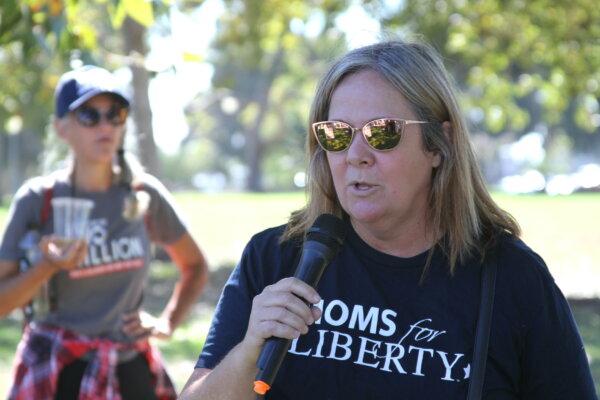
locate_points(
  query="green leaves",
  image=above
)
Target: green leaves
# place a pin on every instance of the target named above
(504, 52)
(139, 10)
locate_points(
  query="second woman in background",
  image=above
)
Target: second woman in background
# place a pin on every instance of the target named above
(93, 338)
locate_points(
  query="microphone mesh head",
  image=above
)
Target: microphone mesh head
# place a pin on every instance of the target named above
(327, 228)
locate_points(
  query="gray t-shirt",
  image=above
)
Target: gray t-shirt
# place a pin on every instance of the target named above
(92, 298)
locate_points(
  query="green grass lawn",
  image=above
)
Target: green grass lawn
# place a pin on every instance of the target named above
(563, 230)
(223, 223)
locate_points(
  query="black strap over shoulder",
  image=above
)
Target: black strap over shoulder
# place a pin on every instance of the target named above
(484, 320)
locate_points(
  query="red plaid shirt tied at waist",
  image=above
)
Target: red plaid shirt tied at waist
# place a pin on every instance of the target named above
(44, 351)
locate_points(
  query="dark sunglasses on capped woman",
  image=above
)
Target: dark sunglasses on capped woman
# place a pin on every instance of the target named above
(381, 134)
(89, 117)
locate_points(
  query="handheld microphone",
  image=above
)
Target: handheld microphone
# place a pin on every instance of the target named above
(323, 240)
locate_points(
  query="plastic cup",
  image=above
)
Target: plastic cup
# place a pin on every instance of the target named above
(71, 216)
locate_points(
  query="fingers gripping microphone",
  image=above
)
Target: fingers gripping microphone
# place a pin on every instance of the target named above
(323, 240)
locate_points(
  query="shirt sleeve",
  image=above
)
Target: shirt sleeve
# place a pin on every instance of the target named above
(22, 214)
(264, 261)
(554, 363)
(164, 223)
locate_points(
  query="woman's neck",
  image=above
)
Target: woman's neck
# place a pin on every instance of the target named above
(92, 178)
(406, 243)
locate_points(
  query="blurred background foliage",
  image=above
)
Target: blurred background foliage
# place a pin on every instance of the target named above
(522, 66)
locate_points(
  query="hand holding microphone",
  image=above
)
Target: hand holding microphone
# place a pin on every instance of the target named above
(281, 312)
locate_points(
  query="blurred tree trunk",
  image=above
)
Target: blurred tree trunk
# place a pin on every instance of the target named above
(134, 35)
(14, 161)
(255, 145)
(265, 68)
(3, 164)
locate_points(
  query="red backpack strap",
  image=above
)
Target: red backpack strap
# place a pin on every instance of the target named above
(137, 185)
(46, 204)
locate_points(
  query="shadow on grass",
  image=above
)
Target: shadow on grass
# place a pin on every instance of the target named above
(162, 280)
(587, 315)
(189, 338)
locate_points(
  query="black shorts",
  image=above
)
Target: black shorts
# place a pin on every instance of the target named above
(134, 380)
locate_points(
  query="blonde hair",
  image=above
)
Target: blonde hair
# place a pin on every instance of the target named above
(461, 212)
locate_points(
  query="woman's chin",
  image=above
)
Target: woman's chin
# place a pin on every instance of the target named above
(366, 215)
(101, 157)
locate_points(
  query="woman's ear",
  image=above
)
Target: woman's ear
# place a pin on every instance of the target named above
(59, 127)
(436, 160)
(447, 128)
(437, 157)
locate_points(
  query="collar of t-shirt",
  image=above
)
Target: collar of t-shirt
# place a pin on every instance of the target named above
(378, 258)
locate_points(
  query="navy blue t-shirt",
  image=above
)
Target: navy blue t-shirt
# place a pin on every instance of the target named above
(384, 334)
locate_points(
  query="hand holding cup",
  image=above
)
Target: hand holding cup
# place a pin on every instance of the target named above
(64, 254)
(67, 247)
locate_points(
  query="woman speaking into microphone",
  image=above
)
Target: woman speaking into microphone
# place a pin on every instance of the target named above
(432, 295)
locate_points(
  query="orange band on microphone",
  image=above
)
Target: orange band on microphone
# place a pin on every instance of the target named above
(261, 387)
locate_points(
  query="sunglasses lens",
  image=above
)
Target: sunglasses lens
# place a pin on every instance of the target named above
(117, 115)
(383, 134)
(87, 116)
(333, 136)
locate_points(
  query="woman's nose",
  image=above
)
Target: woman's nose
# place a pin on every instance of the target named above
(359, 152)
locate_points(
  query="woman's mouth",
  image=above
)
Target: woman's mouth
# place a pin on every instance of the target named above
(361, 187)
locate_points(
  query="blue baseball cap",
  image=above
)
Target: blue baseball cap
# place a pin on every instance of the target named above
(79, 85)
